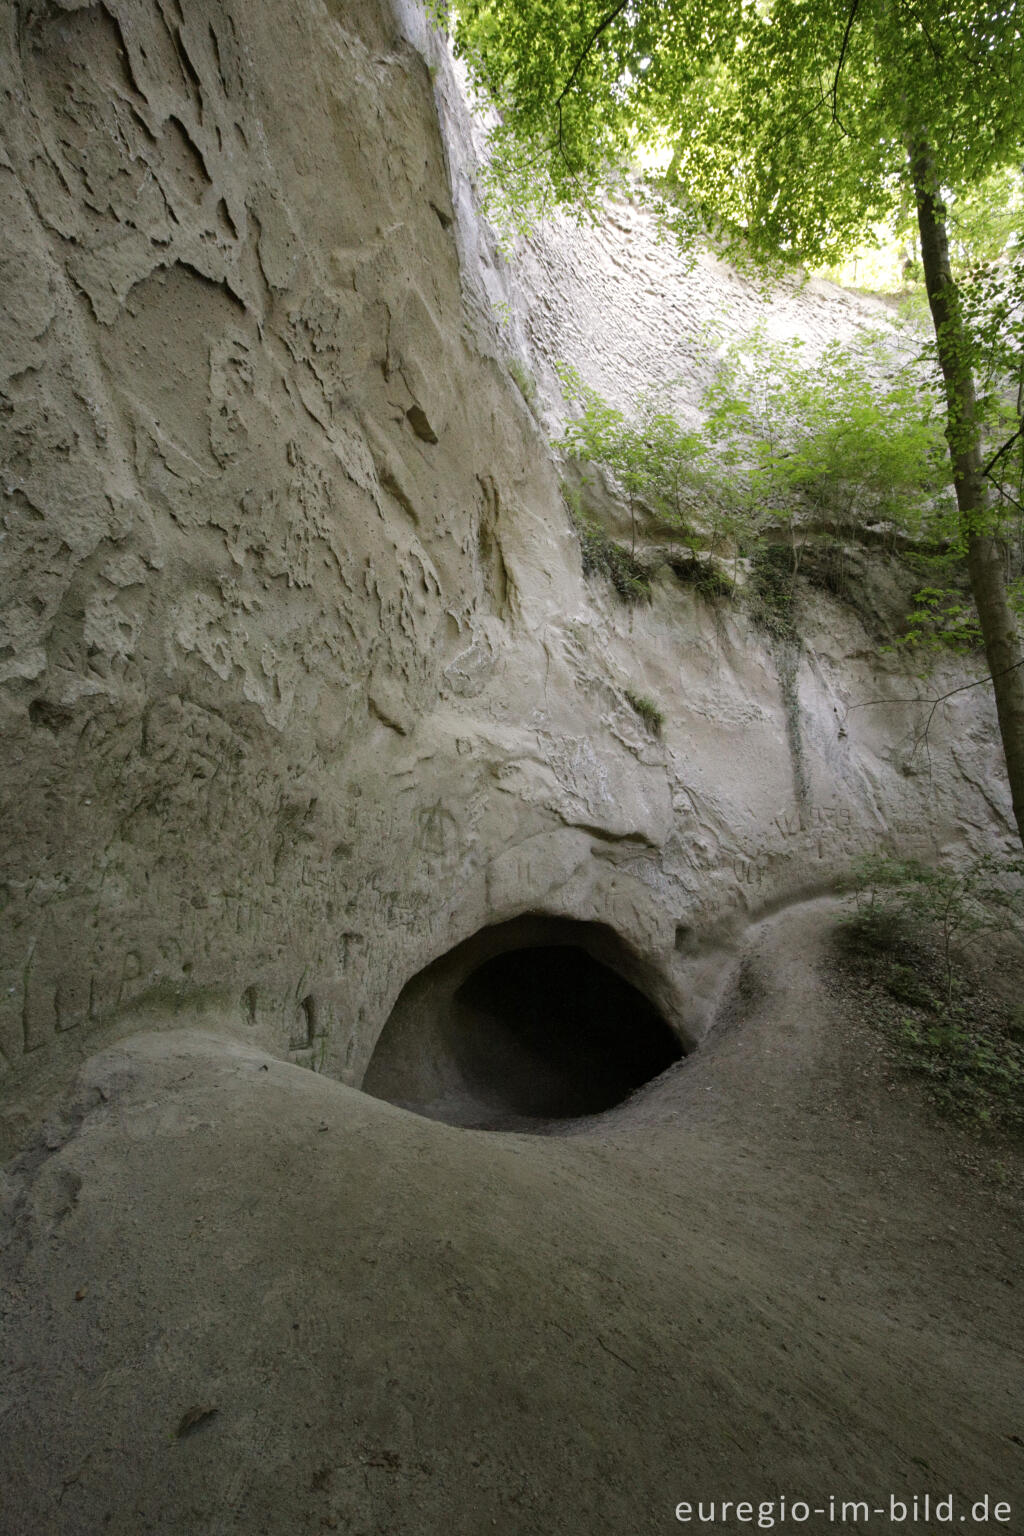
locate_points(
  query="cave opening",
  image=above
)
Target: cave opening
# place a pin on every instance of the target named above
(508, 1034)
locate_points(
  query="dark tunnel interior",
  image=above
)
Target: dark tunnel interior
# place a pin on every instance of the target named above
(532, 1034)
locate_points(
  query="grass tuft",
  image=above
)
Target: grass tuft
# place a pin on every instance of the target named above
(648, 711)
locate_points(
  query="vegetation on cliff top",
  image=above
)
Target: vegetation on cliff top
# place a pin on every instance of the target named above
(787, 449)
(793, 129)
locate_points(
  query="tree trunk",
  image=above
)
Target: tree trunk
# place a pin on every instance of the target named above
(984, 555)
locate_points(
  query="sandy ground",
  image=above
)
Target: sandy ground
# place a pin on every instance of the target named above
(239, 1297)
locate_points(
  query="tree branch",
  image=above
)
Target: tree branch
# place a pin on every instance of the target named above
(1004, 493)
(936, 51)
(963, 688)
(839, 67)
(994, 460)
(562, 149)
(602, 26)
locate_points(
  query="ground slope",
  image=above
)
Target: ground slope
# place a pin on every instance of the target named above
(241, 1297)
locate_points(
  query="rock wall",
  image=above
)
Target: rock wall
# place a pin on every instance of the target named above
(301, 683)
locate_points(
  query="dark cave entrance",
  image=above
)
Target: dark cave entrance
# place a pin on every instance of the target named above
(523, 1024)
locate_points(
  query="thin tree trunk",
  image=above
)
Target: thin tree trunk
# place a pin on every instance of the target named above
(984, 554)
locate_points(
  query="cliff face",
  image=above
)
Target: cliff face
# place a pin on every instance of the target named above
(302, 684)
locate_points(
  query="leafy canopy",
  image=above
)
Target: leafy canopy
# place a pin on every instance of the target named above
(788, 120)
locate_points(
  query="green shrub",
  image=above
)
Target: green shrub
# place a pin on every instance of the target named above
(942, 619)
(904, 943)
(849, 436)
(869, 931)
(961, 904)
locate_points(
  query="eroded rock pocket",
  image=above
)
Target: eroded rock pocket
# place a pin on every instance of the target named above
(521, 1026)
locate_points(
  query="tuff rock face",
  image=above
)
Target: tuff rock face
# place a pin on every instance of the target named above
(302, 683)
(318, 752)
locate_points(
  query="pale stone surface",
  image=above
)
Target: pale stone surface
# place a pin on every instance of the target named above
(301, 681)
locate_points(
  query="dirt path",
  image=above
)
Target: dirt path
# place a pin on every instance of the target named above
(243, 1298)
